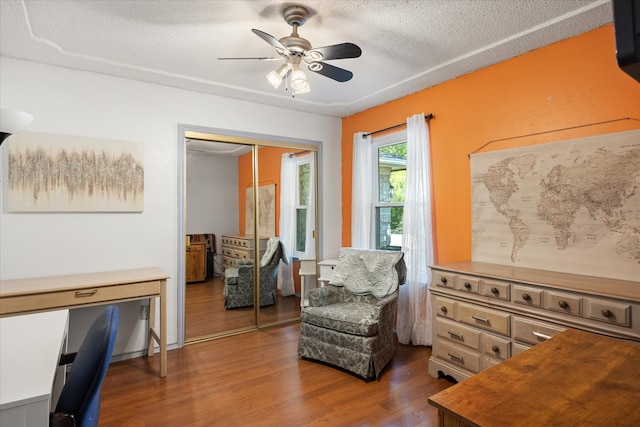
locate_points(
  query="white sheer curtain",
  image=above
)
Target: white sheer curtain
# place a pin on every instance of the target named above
(414, 311)
(287, 224)
(361, 194)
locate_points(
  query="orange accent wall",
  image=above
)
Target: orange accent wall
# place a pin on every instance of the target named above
(269, 159)
(570, 83)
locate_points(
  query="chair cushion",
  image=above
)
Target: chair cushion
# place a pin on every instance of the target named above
(354, 318)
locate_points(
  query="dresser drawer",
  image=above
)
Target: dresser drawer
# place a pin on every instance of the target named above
(485, 318)
(227, 251)
(519, 348)
(608, 311)
(562, 302)
(228, 262)
(458, 355)
(444, 280)
(497, 347)
(326, 271)
(467, 284)
(240, 254)
(79, 297)
(489, 362)
(458, 333)
(445, 307)
(532, 332)
(495, 289)
(527, 296)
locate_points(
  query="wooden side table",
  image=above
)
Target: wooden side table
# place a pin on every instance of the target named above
(196, 262)
(575, 378)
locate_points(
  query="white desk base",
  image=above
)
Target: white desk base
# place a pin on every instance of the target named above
(30, 348)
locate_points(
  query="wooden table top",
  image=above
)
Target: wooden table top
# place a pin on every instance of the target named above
(34, 285)
(574, 379)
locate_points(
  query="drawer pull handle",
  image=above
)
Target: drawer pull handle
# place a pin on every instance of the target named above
(86, 294)
(495, 290)
(455, 356)
(541, 336)
(563, 304)
(480, 319)
(467, 285)
(495, 349)
(607, 313)
(526, 297)
(455, 335)
(443, 280)
(443, 309)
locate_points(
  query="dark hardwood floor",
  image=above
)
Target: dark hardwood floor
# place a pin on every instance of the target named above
(256, 378)
(206, 315)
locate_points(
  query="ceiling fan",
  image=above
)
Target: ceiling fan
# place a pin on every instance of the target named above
(295, 50)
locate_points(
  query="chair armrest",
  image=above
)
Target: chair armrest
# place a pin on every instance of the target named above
(388, 299)
(243, 262)
(67, 358)
(62, 419)
(319, 297)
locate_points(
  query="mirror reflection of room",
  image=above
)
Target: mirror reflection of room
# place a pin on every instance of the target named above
(220, 247)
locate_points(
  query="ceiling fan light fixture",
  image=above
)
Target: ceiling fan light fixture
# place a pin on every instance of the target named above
(299, 81)
(276, 77)
(306, 88)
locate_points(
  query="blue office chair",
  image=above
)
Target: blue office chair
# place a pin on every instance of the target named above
(79, 402)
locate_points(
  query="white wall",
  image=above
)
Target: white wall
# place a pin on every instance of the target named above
(212, 194)
(86, 104)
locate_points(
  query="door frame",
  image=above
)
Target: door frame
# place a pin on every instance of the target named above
(229, 136)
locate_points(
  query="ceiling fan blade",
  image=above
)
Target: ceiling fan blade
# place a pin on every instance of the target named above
(263, 58)
(271, 40)
(327, 70)
(336, 51)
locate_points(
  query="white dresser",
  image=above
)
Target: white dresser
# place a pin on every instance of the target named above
(240, 246)
(485, 313)
(326, 268)
(325, 271)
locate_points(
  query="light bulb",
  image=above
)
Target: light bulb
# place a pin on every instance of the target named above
(298, 80)
(276, 77)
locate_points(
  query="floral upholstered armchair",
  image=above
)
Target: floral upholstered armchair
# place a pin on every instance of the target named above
(349, 323)
(238, 281)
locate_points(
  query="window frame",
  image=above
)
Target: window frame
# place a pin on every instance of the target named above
(394, 138)
(310, 207)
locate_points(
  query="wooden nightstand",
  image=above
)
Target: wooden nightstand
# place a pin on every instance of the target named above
(196, 256)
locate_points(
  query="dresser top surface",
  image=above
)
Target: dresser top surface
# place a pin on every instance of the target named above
(244, 236)
(598, 286)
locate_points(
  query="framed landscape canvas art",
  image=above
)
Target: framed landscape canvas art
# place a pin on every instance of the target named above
(61, 173)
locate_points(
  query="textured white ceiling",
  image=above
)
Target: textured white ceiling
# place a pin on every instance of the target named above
(407, 45)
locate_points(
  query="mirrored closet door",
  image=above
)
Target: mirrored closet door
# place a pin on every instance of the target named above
(224, 263)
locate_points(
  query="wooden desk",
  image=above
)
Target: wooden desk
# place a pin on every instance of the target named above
(574, 379)
(21, 296)
(30, 348)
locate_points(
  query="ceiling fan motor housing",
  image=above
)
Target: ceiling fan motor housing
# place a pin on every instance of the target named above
(295, 16)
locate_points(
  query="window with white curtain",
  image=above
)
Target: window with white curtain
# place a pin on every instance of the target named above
(304, 209)
(389, 157)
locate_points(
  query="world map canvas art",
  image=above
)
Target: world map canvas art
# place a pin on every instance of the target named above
(60, 173)
(570, 206)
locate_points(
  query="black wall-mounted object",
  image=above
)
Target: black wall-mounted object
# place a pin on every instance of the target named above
(626, 24)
